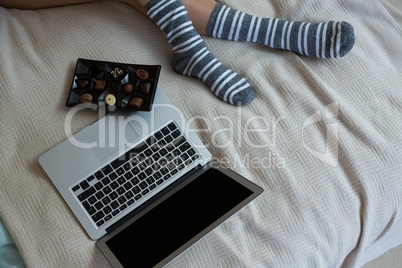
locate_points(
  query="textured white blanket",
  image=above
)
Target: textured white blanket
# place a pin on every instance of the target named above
(323, 138)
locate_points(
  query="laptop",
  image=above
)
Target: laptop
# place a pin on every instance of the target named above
(144, 185)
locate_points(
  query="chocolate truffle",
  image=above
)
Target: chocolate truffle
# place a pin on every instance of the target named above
(128, 88)
(100, 84)
(117, 73)
(82, 83)
(142, 74)
(145, 88)
(86, 98)
(110, 99)
(135, 102)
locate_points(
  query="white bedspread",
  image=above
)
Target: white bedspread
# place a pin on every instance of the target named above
(323, 137)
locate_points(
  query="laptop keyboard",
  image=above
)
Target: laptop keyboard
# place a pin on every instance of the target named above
(130, 178)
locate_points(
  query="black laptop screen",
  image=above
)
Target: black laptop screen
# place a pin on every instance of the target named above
(177, 219)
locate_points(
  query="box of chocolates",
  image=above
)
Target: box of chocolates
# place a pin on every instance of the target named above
(114, 85)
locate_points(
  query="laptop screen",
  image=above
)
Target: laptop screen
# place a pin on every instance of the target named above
(178, 219)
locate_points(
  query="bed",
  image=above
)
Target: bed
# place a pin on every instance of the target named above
(322, 137)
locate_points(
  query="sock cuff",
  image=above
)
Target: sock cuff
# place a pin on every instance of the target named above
(212, 18)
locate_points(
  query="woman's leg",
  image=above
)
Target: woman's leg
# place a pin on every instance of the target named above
(24, 4)
(191, 56)
(199, 11)
(332, 39)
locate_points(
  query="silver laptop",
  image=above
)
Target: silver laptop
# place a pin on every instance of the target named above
(142, 181)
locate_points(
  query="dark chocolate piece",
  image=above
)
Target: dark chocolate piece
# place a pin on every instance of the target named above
(135, 102)
(86, 98)
(142, 74)
(117, 73)
(93, 71)
(128, 88)
(100, 84)
(145, 88)
(82, 83)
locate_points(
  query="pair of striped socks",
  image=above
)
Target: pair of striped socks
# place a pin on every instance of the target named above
(192, 58)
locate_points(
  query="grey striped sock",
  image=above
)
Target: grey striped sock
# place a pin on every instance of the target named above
(332, 39)
(191, 56)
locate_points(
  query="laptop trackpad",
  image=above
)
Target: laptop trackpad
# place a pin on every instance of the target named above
(109, 135)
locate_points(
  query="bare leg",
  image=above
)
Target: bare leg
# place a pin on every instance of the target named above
(24, 4)
(199, 11)
(137, 5)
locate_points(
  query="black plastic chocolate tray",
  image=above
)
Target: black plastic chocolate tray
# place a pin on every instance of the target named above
(114, 85)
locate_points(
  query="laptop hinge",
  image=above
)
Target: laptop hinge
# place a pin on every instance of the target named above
(153, 199)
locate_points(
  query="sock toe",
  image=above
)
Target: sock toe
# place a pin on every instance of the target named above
(243, 97)
(347, 39)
